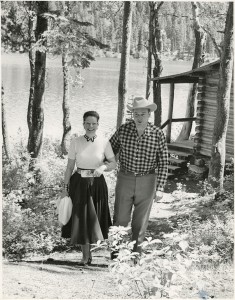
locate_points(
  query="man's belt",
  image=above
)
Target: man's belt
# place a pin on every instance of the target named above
(137, 174)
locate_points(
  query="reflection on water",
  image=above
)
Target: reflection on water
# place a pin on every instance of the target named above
(99, 92)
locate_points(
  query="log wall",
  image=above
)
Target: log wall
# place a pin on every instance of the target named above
(206, 112)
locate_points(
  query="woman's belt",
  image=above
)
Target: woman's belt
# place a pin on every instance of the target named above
(152, 171)
(86, 172)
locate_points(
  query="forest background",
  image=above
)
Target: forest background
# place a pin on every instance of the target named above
(176, 23)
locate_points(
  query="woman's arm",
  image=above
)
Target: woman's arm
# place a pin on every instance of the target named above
(68, 173)
(110, 164)
(69, 170)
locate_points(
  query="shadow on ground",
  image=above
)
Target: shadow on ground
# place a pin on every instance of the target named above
(59, 262)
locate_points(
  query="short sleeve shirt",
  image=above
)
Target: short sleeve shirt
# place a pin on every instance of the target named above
(144, 153)
(90, 155)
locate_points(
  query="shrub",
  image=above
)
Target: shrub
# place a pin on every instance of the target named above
(29, 216)
(152, 273)
(162, 269)
(27, 230)
(14, 170)
(211, 241)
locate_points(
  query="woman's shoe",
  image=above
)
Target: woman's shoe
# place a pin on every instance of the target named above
(87, 262)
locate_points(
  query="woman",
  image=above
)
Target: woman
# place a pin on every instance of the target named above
(92, 154)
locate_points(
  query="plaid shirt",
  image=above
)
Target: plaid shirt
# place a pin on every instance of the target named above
(144, 153)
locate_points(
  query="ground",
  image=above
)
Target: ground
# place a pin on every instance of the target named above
(59, 276)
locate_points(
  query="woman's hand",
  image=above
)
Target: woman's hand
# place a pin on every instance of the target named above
(99, 171)
(64, 194)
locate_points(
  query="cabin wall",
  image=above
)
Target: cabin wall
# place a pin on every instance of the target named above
(206, 113)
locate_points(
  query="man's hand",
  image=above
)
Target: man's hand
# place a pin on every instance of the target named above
(158, 196)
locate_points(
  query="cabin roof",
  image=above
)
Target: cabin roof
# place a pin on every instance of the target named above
(188, 77)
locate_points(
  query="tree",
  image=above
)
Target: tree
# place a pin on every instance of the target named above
(18, 26)
(67, 37)
(218, 150)
(4, 127)
(199, 54)
(155, 50)
(65, 104)
(140, 30)
(36, 130)
(124, 67)
(31, 42)
(213, 17)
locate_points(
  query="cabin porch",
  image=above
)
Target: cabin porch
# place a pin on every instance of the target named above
(180, 154)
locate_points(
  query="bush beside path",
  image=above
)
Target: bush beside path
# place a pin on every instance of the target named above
(58, 275)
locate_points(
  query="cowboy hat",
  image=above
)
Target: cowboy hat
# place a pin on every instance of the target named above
(141, 102)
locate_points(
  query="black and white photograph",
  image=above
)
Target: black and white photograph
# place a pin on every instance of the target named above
(117, 149)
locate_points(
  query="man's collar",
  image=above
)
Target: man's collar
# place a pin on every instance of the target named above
(147, 130)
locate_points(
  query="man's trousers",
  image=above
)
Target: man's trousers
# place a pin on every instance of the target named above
(137, 191)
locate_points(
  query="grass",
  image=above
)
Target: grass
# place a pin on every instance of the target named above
(211, 282)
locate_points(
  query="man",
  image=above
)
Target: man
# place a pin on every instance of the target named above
(143, 161)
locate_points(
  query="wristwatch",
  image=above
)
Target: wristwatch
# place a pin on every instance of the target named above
(66, 186)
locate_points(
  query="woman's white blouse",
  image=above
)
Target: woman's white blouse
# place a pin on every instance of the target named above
(90, 155)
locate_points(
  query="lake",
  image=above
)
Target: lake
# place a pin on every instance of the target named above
(99, 92)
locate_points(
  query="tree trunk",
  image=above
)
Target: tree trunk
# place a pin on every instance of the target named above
(66, 123)
(218, 150)
(199, 53)
(156, 44)
(124, 67)
(36, 132)
(32, 67)
(31, 89)
(4, 127)
(140, 40)
(149, 63)
(173, 24)
(66, 10)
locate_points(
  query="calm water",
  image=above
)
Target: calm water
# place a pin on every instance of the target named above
(99, 92)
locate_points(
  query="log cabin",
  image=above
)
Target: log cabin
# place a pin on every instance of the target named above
(207, 77)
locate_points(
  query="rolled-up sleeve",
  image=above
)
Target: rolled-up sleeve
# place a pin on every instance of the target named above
(108, 151)
(162, 158)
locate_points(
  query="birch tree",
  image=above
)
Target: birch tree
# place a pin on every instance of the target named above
(36, 130)
(218, 150)
(4, 127)
(65, 104)
(154, 55)
(199, 54)
(31, 41)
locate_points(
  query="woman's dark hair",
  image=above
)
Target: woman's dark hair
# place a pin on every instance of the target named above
(91, 113)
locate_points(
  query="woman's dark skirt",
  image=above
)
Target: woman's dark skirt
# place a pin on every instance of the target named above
(90, 218)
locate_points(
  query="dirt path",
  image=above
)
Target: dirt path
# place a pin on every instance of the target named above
(59, 276)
